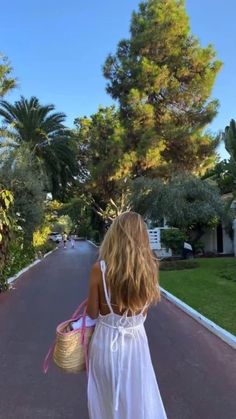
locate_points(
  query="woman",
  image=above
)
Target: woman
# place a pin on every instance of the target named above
(121, 379)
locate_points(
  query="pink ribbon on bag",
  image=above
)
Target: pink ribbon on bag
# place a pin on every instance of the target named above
(75, 316)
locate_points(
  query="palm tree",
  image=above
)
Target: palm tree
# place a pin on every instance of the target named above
(39, 129)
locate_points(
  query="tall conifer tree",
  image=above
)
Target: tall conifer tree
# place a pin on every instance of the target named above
(163, 79)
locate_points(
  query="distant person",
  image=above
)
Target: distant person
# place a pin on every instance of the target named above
(64, 238)
(187, 251)
(72, 242)
(121, 380)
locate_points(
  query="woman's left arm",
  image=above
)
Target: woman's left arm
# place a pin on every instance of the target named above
(93, 296)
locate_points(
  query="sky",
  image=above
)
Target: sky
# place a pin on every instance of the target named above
(57, 49)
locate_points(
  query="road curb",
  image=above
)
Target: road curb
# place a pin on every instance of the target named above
(16, 276)
(93, 244)
(49, 253)
(227, 337)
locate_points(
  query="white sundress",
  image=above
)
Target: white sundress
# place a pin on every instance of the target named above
(121, 379)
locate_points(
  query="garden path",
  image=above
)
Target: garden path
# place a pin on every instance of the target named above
(196, 370)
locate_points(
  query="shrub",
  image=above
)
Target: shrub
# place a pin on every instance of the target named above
(40, 237)
(178, 265)
(45, 248)
(210, 254)
(199, 247)
(40, 241)
(6, 226)
(20, 255)
(173, 239)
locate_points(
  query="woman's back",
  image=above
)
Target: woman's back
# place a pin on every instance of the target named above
(121, 379)
(103, 306)
(122, 383)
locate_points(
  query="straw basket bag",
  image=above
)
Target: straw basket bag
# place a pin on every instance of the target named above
(70, 349)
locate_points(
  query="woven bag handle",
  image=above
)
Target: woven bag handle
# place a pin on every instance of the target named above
(74, 317)
(83, 330)
(78, 310)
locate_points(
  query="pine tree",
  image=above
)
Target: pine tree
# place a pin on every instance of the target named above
(163, 79)
(7, 82)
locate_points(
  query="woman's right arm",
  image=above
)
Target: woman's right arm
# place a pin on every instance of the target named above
(93, 296)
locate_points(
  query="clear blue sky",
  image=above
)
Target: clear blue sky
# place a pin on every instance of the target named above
(57, 49)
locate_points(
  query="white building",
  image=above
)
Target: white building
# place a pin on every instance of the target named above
(218, 240)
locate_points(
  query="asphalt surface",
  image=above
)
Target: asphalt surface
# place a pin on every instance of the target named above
(196, 371)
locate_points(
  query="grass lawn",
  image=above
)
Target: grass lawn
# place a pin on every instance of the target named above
(206, 289)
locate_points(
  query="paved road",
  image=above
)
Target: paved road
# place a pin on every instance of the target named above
(196, 371)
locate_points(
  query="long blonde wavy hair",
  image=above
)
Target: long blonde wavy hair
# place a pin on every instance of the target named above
(132, 271)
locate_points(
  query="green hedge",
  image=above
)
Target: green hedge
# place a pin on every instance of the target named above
(178, 265)
(19, 257)
(45, 248)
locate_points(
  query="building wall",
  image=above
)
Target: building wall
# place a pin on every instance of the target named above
(227, 243)
(210, 241)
